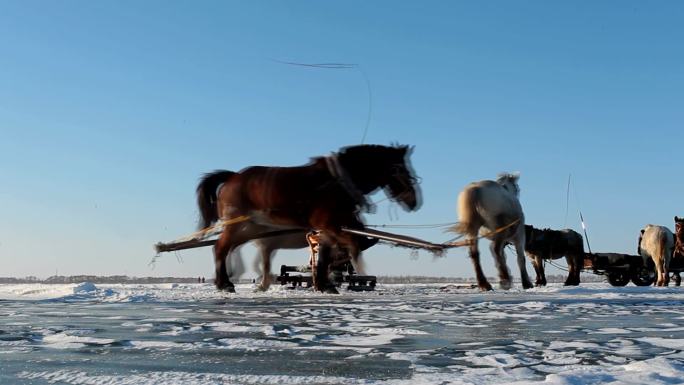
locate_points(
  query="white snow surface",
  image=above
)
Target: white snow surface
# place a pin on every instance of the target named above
(399, 334)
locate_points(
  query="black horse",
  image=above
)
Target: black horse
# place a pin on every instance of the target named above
(553, 244)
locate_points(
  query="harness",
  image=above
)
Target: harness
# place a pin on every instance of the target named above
(343, 179)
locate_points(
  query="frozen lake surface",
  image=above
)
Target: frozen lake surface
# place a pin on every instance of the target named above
(400, 334)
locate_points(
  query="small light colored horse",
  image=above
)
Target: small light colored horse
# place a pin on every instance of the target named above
(494, 205)
(657, 243)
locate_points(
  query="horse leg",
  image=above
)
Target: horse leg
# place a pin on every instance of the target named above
(350, 242)
(266, 253)
(519, 244)
(497, 249)
(237, 266)
(475, 258)
(666, 270)
(579, 265)
(228, 241)
(222, 250)
(538, 265)
(659, 272)
(321, 280)
(573, 270)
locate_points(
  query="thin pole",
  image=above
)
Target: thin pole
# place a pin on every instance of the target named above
(567, 202)
(584, 227)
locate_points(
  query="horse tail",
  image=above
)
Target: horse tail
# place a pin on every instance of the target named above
(207, 196)
(468, 221)
(665, 247)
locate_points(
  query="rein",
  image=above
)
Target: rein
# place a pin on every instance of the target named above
(469, 242)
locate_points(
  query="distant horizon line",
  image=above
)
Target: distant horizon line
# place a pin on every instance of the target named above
(117, 278)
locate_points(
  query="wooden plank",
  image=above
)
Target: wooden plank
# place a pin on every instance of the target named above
(399, 239)
(186, 243)
(183, 245)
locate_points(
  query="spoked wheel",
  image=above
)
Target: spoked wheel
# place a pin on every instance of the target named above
(618, 278)
(643, 276)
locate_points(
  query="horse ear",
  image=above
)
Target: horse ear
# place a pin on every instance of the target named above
(677, 219)
(642, 231)
(404, 149)
(515, 175)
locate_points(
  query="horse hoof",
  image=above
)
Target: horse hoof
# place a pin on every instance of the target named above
(331, 290)
(485, 287)
(229, 289)
(260, 289)
(505, 285)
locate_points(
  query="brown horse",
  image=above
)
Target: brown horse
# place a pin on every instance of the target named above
(266, 246)
(553, 244)
(327, 194)
(679, 237)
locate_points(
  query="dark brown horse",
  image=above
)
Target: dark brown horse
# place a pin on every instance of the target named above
(327, 194)
(679, 237)
(267, 245)
(550, 244)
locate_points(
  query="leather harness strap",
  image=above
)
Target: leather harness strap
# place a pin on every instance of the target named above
(342, 177)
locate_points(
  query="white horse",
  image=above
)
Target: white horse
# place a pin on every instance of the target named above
(494, 205)
(657, 243)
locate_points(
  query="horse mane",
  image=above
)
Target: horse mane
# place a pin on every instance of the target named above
(508, 177)
(371, 147)
(361, 148)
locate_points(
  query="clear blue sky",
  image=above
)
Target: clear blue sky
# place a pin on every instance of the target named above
(111, 111)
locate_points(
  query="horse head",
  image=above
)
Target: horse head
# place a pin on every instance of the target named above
(388, 167)
(509, 182)
(529, 235)
(403, 186)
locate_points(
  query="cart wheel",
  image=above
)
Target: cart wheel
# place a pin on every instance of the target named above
(618, 278)
(642, 276)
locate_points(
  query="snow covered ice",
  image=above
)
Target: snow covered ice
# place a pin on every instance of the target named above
(400, 334)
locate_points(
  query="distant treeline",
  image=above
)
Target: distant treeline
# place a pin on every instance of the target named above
(59, 279)
(100, 279)
(426, 279)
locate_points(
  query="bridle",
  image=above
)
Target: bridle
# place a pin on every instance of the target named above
(405, 179)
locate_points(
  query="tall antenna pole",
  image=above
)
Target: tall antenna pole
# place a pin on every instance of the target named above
(584, 227)
(567, 201)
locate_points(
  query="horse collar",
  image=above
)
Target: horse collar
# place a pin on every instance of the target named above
(342, 177)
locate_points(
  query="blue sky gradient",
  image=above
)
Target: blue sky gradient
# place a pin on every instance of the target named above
(111, 111)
